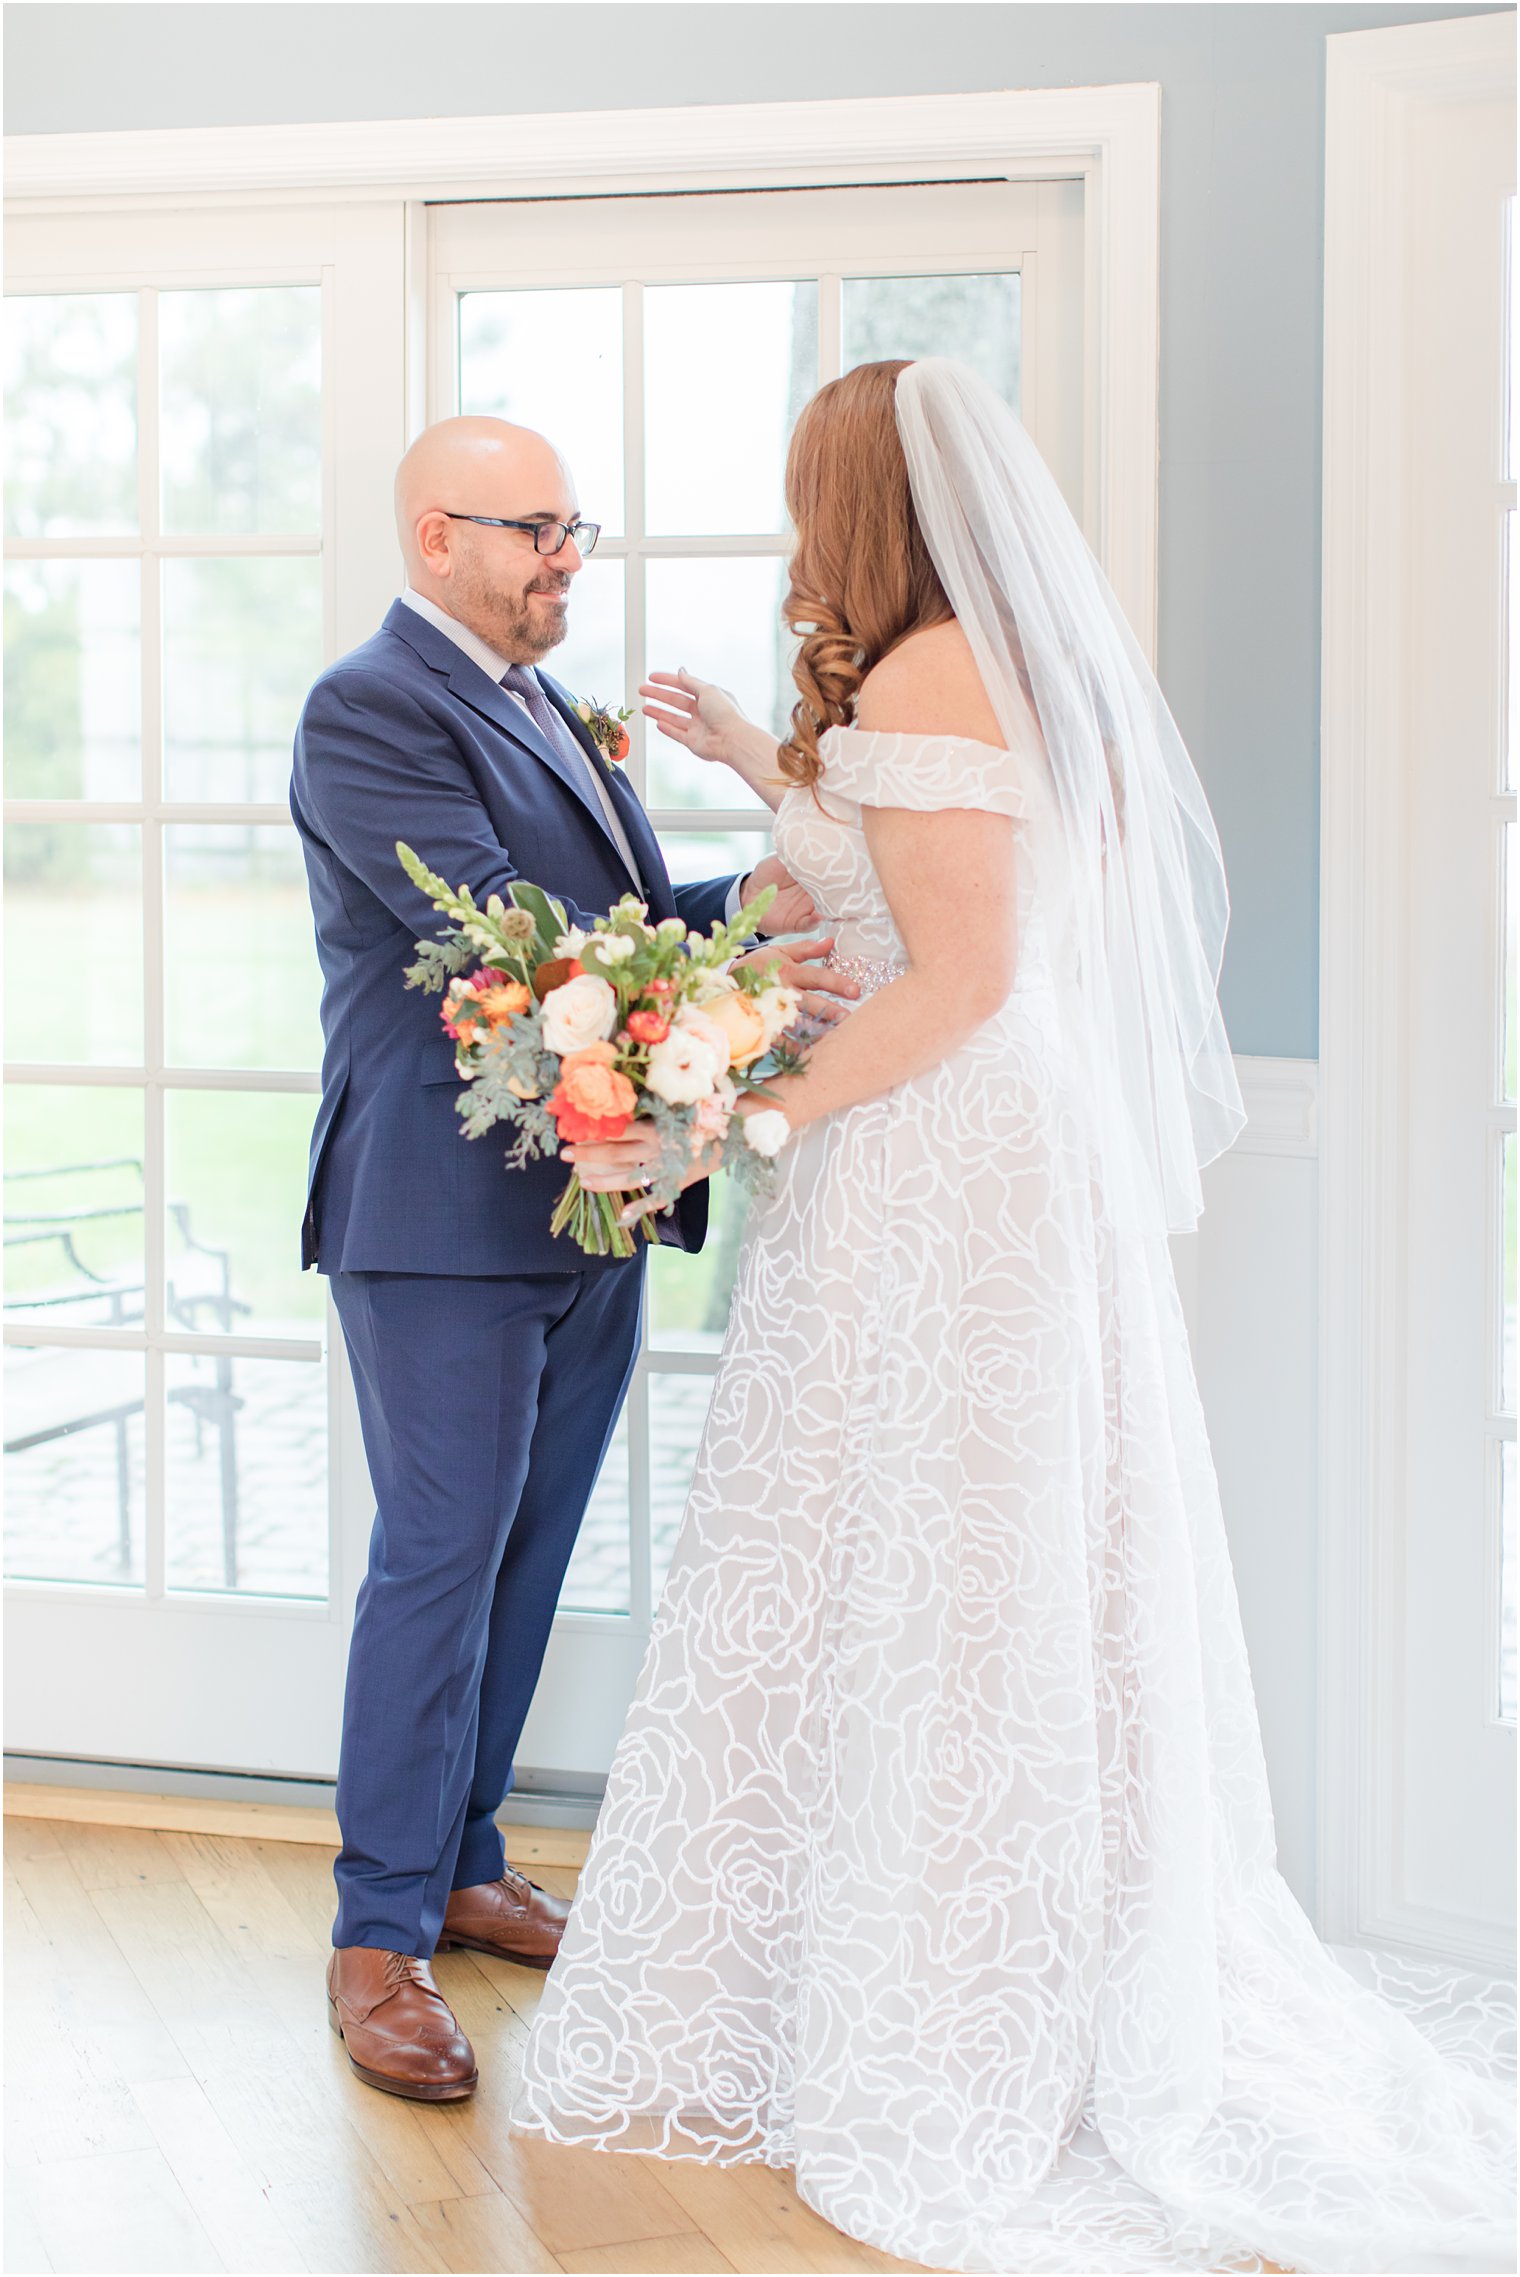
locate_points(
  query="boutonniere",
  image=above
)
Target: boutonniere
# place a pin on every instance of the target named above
(606, 729)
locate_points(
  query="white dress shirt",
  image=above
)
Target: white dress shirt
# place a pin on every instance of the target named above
(481, 653)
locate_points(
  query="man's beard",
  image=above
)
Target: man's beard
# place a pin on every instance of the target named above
(509, 622)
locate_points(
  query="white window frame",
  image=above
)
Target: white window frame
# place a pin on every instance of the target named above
(1108, 136)
(1375, 80)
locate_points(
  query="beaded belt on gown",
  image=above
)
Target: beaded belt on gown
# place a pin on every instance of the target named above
(871, 972)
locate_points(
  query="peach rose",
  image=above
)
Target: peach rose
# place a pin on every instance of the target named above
(742, 1022)
(589, 1055)
(592, 1101)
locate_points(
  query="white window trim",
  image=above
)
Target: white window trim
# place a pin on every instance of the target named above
(1110, 136)
(1372, 79)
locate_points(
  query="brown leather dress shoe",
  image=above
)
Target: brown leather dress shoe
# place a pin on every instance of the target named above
(398, 2029)
(512, 1918)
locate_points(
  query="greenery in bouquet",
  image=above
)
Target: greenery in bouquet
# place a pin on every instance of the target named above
(568, 1036)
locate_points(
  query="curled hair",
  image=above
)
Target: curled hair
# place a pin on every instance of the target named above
(861, 576)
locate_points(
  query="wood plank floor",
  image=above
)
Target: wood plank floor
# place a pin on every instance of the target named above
(176, 2102)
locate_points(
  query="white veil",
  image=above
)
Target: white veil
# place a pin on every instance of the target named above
(1137, 884)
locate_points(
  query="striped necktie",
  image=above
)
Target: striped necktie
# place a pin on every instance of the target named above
(520, 681)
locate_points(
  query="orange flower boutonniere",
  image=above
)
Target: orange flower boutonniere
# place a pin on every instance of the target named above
(606, 729)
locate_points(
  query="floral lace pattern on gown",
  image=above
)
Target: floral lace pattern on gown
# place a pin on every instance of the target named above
(937, 1857)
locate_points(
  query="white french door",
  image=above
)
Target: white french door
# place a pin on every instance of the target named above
(203, 415)
(666, 344)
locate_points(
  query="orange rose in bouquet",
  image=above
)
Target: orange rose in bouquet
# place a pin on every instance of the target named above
(591, 1099)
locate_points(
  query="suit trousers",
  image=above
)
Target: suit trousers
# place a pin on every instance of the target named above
(487, 1405)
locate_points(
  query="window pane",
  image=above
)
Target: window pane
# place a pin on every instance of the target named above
(73, 1465)
(1510, 893)
(241, 437)
(236, 1184)
(689, 1297)
(1510, 705)
(1507, 1581)
(245, 1501)
(235, 894)
(589, 660)
(70, 415)
(74, 1204)
(598, 1578)
(85, 1007)
(677, 1411)
(727, 368)
(554, 361)
(73, 689)
(722, 620)
(692, 855)
(242, 645)
(1507, 1295)
(1512, 361)
(975, 319)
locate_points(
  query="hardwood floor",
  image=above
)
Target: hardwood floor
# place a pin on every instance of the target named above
(176, 2102)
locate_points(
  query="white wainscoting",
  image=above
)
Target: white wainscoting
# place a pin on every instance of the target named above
(1250, 1279)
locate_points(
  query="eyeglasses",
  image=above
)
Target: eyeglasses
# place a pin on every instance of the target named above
(548, 537)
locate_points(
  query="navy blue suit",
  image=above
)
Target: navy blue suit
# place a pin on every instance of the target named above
(490, 1358)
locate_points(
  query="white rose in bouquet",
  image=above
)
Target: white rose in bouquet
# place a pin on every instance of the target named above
(695, 1022)
(682, 1069)
(777, 1007)
(767, 1131)
(583, 1011)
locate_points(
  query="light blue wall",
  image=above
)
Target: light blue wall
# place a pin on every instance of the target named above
(1242, 210)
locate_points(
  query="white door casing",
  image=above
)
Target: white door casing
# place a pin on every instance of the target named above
(1417, 1765)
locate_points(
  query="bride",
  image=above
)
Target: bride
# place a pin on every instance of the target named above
(937, 1857)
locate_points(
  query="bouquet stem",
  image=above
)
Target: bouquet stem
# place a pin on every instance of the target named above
(592, 1220)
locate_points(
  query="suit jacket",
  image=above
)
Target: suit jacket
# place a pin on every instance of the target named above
(407, 737)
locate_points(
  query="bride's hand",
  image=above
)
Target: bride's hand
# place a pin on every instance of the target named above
(803, 965)
(622, 1165)
(697, 714)
(610, 1165)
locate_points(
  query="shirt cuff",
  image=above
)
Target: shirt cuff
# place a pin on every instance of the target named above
(735, 901)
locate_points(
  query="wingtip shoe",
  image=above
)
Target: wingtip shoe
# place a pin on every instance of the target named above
(398, 2030)
(511, 1918)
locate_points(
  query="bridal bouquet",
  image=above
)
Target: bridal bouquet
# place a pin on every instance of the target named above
(569, 1036)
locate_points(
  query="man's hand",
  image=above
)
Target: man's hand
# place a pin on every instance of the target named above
(793, 910)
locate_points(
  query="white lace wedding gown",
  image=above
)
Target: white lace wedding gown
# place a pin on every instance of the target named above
(937, 1857)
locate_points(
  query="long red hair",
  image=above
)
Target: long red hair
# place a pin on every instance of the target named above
(861, 576)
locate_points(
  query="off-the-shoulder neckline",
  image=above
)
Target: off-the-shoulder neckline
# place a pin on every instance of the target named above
(911, 735)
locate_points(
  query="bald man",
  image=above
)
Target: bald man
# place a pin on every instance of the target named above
(490, 1360)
